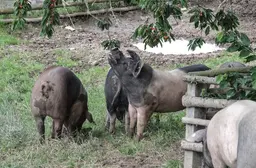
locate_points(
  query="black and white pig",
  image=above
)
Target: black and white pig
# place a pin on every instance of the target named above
(149, 90)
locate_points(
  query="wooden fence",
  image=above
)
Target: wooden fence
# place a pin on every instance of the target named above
(196, 108)
(93, 12)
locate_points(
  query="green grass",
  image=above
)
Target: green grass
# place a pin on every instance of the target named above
(173, 164)
(19, 145)
(213, 62)
(6, 38)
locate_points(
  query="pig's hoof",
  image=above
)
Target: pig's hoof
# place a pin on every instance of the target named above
(112, 131)
(107, 126)
(130, 134)
(139, 137)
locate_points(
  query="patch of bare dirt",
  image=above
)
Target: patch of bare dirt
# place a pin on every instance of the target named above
(83, 44)
(243, 8)
(150, 159)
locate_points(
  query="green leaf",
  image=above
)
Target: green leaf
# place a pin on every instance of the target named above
(193, 18)
(196, 24)
(197, 42)
(244, 38)
(245, 52)
(233, 48)
(231, 93)
(253, 74)
(219, 78)
(219, 36)
(250, 58)
(193, 10)
(230, 37)
(207, 30)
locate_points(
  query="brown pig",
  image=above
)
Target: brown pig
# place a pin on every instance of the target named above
(59, 94)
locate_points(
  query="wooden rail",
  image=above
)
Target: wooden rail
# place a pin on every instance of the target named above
(94, 12)
(216, 72)
(190, 146)
(200, 79)
(193, 101)
(39, 7)
(195, 121)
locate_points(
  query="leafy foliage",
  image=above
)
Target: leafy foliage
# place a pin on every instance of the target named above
(195, 42)
(235, 86)
(109, 44)
(105, 24)
(155, 33)
(50, 18)
(226, 22)
(203, 18)
(21, 7)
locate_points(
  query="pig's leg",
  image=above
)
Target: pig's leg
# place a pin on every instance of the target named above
(53, 130)
(143, 115)
(107, 125)
(40, 127)
(127, 122)
(217, 162)
(133, 119)
(58, 123)
(112, 123)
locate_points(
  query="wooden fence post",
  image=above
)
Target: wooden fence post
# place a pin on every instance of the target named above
(196, 106)
(193, 159)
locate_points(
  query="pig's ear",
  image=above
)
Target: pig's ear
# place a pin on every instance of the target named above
(137, 63)
(137, 68)
(198, 136)
(134, 55)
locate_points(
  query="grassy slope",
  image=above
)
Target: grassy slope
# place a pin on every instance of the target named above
(18, 141)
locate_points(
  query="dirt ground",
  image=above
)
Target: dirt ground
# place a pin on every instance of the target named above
(84, 46)
(144, 160)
